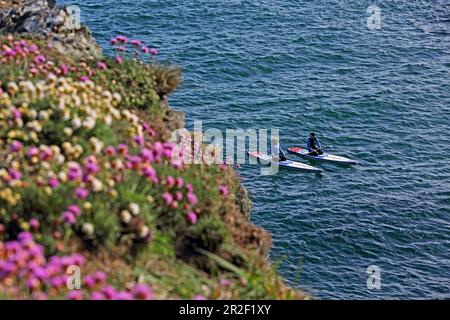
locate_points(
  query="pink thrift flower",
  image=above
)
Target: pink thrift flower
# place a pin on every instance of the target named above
(153, 51)
(84, 79)
(192, 198)
(189, 187)
(122, 149)
(53, 183)
(139, 140)
(136, 42)
(179, 182)
(74, 209)
(34, 224)
(39, 59)
(167, 198)
(225, 282)
(101, 65)
(97, 296)
(192, 217)
(32, 152)
(69, 217)
(119, 59)
(16, 113)
(223, 190)
(81, 193)
(16, 146)
(142, 292)
(75, 295)
(64, 69)
(110, 151)
(200, 297)
(122, 39)
(15, 174)
(147, 154)
(170, 181)
(99, 277)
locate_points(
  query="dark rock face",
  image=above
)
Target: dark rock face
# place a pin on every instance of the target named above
(42, 18)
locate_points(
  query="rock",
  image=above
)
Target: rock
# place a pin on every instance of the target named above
(42, 18)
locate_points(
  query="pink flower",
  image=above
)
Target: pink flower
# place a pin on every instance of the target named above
(153, 51)
(145, 50)
(69, 218)
(136, 42)
(192, 217)
(114, 41)
(97, 296)
(74, 209)
(142, 292)
(119, 59)
(64, 69)
(99, 277)
(192, 198)
(92, 167)
(122, 149)
(225, 282)
(53, 183)
(147, 154)
(179, 182)
(32, 152)
(39, 59)
(16, 113)
(101, 65)
(167, 198)
(84, 79)
(75, 295)
(34, 224)
(110, 151)
(223, 190)
(200, 297)
(16, 146)
(189, 187)
(81, 193)
(139, 140)
(15, 174)
(122, 39)
(170, 181)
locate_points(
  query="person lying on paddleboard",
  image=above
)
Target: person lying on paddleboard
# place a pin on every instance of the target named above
(313, 145)
(277, 152)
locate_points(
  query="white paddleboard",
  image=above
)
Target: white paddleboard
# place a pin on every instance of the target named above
(323, 157)
(288, 164)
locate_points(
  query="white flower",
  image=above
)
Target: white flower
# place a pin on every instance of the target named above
(88, 228)
(76, 123)
(97, 185)
(125, 216)
(143, 232)
(134, 208)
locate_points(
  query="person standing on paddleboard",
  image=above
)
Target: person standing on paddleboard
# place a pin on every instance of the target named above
(313, 145)
(277, 152)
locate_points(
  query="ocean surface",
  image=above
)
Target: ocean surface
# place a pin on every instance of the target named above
(381, 96)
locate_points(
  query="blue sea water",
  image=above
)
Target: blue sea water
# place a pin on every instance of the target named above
(380, 96)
